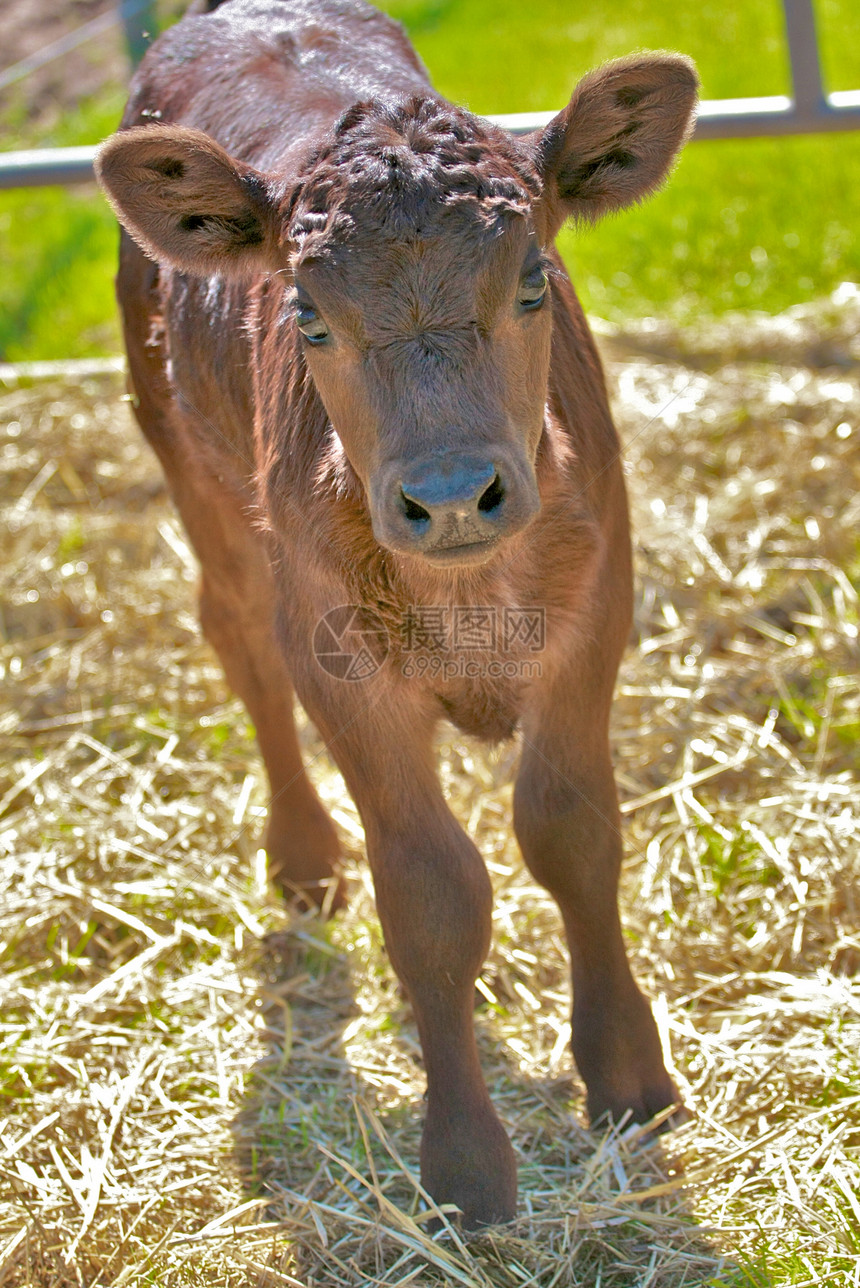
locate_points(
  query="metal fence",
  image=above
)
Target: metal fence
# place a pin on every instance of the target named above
(809, 109)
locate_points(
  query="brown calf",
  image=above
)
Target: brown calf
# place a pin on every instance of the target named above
(378, 404)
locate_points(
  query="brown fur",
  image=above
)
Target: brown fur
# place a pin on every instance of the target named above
(274, 151)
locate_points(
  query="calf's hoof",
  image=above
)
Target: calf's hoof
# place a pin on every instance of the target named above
(302, 858)
(469, 1161)
(619, 1056)
(639, 1104)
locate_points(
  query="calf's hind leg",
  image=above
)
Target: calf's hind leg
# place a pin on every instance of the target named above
(235, 613)
(237, 598)
(237, 593)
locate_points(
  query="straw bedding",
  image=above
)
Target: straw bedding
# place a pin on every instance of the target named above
(199, 1087)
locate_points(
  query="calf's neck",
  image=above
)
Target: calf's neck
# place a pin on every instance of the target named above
(383, 420)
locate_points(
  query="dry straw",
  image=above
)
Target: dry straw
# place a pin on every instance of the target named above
(202, 1088)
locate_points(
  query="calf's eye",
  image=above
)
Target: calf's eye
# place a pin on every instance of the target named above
(533, 289)
(311, 324)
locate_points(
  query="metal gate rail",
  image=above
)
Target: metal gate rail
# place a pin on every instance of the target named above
(808, 111)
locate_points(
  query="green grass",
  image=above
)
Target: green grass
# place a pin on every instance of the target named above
(56, 293)
(758, 224)
(58, 249)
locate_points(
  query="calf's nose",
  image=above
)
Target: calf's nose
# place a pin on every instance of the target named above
(445, 494)
(455, 506)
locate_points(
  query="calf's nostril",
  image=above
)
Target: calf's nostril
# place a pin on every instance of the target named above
(413, 511)
(492, 498)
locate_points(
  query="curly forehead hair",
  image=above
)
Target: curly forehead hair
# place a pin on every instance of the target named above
(393, 163)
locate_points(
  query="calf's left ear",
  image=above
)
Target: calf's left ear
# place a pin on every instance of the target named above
(615, 142)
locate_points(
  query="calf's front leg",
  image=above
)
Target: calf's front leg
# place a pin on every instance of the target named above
(568, 826)
(434, 901)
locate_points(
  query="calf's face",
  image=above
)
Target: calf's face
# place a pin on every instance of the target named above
(410, 249)
(432, 357)
(423, 302)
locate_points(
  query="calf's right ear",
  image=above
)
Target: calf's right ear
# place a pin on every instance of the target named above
(188, 203)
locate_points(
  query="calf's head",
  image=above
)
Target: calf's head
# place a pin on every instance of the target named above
(409, 244)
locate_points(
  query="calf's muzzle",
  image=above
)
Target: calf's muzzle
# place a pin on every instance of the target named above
(453, 507)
